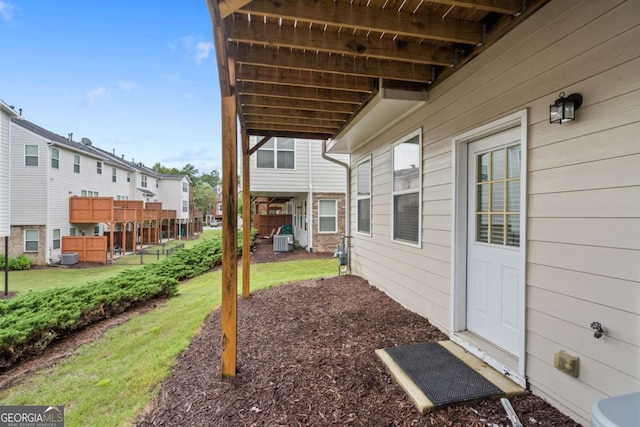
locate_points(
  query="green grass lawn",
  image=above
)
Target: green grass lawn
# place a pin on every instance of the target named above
(109, 381)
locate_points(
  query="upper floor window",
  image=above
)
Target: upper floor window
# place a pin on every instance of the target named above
(99, 168)
(76, 163)
(185, 206)
(73, 231)
(157, 183)
(143, 181)
(55, 158)
(128, 176)
(31, 155)
(407, 188)
(278, 153)
(114, 176)
(363, 196)
(185, 187)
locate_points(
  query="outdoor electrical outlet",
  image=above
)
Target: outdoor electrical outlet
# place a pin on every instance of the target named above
(566, 363)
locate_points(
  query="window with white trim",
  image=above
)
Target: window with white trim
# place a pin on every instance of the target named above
(114, 175)
(363, 196)
(76, 163)
(407, 189)
(185, 206)
(99, 168)
(31, 239)
(56, 238)
(55, 158)
(157, 183)
(143, 181)
(328, 216)
(185, 187)
(96, 230)
(73, 231)
(31, 155)
(128, 176)
(278, 153)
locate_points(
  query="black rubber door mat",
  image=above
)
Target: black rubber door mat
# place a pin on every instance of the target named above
(440, 375)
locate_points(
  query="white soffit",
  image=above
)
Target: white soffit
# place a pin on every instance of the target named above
(387, 108)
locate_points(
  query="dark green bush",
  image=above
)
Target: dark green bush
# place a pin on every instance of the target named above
(20, 262)
(32, 320)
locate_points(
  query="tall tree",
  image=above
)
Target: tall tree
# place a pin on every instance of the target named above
(160, 168)
(190, 170)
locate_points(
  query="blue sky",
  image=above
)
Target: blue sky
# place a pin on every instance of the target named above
(137, 76)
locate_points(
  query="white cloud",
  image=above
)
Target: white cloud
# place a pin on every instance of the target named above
(94, 95)
(202, 51)
(196, 49)
(6, 11)
(127, 86)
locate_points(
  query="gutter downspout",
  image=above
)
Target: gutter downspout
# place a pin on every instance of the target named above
(47, 230)
(347, 195)
(309, 212)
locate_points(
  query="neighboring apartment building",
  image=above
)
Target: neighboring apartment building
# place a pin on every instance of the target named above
(6, 114)
(48, 169)
(293, 174)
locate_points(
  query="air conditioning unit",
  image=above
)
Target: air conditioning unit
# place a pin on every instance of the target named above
(69, 259)
(282, 243)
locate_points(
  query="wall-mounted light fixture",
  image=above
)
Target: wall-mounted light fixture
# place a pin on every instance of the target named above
(564, 109)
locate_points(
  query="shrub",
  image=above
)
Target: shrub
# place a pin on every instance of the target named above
(30, 321)
(20, 262)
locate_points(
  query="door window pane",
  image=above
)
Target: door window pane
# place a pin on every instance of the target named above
(498, 194)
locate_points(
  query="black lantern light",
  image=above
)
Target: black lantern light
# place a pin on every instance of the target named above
(564, 109)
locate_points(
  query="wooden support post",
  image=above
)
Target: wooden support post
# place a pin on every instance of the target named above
(124, 237)
(246, 217)
(112, 225)
(134, 244)
(228, 309)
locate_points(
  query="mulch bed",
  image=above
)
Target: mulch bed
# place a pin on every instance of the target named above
(306, 358)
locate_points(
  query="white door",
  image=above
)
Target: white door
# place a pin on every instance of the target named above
(493, 239)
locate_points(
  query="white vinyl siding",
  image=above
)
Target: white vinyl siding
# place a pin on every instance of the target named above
(5, 196)
(406, 189)
(31, 240)
(55, 158)
(583, 194)
(31, 155)
(76, 163)
(363, 196)
(327, 216)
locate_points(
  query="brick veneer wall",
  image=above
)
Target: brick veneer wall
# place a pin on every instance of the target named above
(16, 243)
(327, 242)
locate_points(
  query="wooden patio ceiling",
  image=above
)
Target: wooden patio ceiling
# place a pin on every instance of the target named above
(304, 68)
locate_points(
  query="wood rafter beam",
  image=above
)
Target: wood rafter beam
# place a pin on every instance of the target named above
(295, 113)
(355, 17)
(280, 130)
(297, 92)
(302, 37)
(337, 64)
(227, 7)
(259, 74)
(508, 7)
(252, 119)
(265, 101)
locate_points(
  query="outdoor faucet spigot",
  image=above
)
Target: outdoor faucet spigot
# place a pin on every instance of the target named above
(599, 330)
